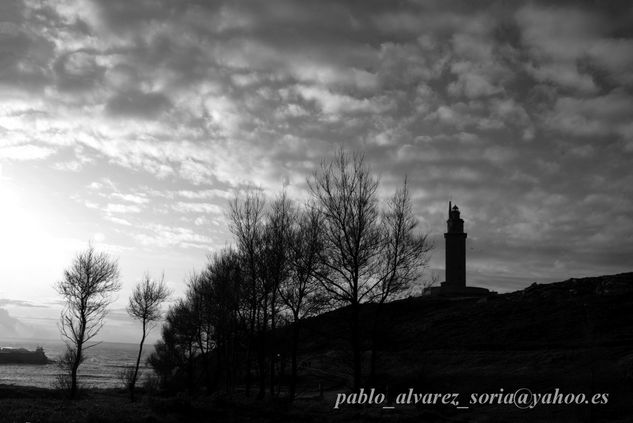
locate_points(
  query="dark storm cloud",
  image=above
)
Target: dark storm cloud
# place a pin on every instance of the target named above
(24, 54)
(137, 104)
(78, 70)
(518, 111)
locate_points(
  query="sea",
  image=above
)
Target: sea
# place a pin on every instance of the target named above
(102, 368)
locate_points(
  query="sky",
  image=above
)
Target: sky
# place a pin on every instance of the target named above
(130, 124)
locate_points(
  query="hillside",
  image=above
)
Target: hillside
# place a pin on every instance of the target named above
(575, 335)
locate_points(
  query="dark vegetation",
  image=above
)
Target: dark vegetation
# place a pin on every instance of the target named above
(240, 322)
(573, 335)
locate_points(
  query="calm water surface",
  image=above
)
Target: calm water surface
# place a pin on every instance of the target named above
(101, 368)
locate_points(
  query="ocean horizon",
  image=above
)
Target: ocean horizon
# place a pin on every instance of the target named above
(101, 369)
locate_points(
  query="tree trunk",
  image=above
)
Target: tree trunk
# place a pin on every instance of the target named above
(295, 347)
(231, 358)
(372, 363)
(189, 357)
(356, 347)
(79, 344)
(209, 381)
(249, 353)
(73, 372)
(222, 363)
(262, 351)
(374, 341)
(272, 343)
(138, 363)
(262, 366)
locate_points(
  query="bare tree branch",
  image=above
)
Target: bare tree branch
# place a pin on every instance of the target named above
(367, 255)
(144, 305)
(87, 289)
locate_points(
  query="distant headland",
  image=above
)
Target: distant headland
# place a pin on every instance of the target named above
(9, 355)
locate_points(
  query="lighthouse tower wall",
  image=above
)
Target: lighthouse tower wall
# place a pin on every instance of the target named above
(455, 239)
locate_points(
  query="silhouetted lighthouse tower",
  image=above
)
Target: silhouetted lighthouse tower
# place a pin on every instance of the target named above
(455, 284)
(455, 249)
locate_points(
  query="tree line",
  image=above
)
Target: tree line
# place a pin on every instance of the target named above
(340, 248)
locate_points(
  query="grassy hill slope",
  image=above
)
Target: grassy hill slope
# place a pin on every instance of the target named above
(575, 335)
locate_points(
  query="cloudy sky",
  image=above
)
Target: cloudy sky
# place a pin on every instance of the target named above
(130, 123)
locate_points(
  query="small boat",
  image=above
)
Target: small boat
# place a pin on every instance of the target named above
(10, 355)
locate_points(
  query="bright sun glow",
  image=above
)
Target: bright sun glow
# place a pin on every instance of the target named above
(31, 256)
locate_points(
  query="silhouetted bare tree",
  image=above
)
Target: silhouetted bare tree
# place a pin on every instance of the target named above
(369, 256)
(246, 215)
(227, 286)
(207, 326)
(200, 298)
(345, 192)
(87, 289)
(404, 256)
(405, 252)
(301, 292)
(144, 306)
(341, 249)
(275, 268)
